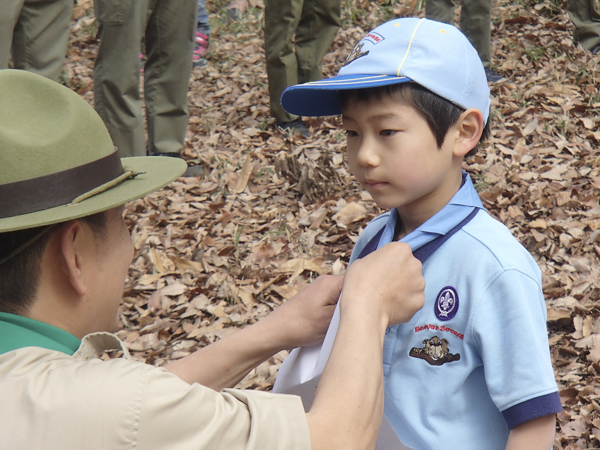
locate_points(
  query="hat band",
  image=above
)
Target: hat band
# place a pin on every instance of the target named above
(57, 189)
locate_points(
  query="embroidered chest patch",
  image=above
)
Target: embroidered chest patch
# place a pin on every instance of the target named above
(435, 352)
(446, 303)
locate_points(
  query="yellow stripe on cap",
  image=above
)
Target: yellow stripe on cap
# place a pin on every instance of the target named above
(408, 48)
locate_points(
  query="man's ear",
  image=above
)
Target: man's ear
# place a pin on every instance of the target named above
(74, 253)
(469, 129)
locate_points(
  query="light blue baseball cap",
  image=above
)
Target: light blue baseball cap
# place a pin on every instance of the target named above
(435, 55)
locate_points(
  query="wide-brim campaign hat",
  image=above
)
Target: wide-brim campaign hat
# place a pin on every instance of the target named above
(432, 54)
(57, 160)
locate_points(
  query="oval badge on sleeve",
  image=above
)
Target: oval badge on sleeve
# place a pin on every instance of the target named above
(446, 304)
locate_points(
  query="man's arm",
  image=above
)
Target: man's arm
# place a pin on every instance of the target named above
(301, 321)
(380, 290)
(533, 435)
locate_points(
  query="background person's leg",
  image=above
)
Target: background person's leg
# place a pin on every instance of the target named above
(169, 48)
(440, 10)
(41, 36)
(117, 72)
(316, 32)
(281, 21)
(9, 14)
(585, 15)
(475, 23)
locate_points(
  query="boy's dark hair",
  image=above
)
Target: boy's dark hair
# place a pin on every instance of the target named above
(20, 274)
(440, 113)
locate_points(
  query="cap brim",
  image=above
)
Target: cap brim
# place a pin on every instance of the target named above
(155, 172)
(320, 98)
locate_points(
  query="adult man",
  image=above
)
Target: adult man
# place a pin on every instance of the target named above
(38, 33)
(585, 15)
(64, 253)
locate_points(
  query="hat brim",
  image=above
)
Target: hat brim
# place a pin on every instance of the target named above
(320, 98)
(155, 172)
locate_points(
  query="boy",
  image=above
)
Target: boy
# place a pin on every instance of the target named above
(472, 369)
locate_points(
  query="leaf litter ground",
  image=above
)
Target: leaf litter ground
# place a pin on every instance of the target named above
(273, 211)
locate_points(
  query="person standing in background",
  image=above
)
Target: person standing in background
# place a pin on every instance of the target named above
(168, 28)
(585, 15)
(202, 36)
(298, 33)
(36, 33)
(475, 23)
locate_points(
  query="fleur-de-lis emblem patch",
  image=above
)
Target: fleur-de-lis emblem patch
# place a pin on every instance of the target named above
(446, 304)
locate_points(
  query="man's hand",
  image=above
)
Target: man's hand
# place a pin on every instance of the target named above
(390, 280)
(303, 320)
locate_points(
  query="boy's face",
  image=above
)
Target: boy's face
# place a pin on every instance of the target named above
(394, 155)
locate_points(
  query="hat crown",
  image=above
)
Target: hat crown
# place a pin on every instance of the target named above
(39, 121)
(436, 55)
(432, 54)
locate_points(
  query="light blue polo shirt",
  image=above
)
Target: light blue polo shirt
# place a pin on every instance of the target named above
(474, 361)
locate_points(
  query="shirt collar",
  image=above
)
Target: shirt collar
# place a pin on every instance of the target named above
(18, 332)
(457, 209)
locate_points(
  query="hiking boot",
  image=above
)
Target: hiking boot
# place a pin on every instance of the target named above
(493, 77)
(295, 126)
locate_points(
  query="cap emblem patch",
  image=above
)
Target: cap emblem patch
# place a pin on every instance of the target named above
(446, 303)
(374, 38)
(355, 54)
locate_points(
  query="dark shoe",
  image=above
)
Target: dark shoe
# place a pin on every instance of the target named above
(235, 9)
(295, 126)
(199, 62)
(493, 77)
(193, 170)
(595, 50)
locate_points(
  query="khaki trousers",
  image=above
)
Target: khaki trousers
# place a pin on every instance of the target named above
(475, 22)
(37, 31)
(585, 15)
(298, 33)
(168, 27)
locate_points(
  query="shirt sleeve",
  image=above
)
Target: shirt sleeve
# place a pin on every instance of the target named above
(176, 415)
(510, 329)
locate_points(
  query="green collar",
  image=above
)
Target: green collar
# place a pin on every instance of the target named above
(18, 332)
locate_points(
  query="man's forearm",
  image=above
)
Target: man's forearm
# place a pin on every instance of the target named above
(348, 405)
(226, 362)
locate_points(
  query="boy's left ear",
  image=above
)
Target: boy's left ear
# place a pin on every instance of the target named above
(469, 128)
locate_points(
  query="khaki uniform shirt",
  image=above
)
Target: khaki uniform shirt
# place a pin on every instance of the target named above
(53, 400)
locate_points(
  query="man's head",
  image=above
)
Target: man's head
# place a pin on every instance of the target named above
(62, 187)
